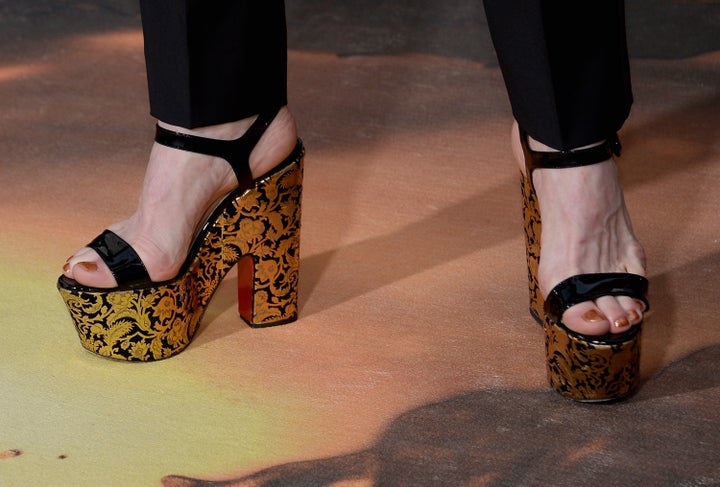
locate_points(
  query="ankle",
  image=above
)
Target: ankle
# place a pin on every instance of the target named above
(537, 148)
(274, 146)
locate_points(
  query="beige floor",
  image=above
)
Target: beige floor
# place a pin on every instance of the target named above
(414, 361)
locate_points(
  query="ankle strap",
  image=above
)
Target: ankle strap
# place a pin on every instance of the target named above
(559, 160)
(235, 152)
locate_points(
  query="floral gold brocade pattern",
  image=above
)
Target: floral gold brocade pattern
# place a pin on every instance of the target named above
(584, 370)
(533, 229)
(587, 371)
(159, 321)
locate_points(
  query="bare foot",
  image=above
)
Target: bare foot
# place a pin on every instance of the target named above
(178, 189)
(586, 228)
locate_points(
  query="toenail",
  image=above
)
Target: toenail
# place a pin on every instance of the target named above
(66, 267)
(633, 315)
(593, 316)
(88, 266)
(621, 323)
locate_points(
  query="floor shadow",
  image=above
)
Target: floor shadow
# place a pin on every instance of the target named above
(442, 237)
(664, 29)
(686, 284)
(458, 28)
(31, 26)
(668, 434)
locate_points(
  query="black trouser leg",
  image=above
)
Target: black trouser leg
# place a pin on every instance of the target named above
(565, 66)
(214, 61)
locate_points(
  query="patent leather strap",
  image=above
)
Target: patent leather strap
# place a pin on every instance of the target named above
(588, 287)
(563, 159)
(236, 152)
(121, 259)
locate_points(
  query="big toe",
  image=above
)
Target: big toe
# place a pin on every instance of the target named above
(586, 318)
(86, 268)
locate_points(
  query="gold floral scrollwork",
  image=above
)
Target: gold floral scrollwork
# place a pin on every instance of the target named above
(591, 371)
(159, 321)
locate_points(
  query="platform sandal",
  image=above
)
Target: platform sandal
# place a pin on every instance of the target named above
(256, 226)
(581, 367)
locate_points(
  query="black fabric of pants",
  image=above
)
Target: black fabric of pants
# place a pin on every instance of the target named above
(565, 66)
(564, 62)
(214, 61)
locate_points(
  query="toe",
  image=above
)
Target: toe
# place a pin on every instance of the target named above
(634, 309)
(617, 316)
(587, 319)
(607, 314)
(86, 268)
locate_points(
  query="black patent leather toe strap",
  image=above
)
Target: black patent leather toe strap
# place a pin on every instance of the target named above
(589, 287)
(121, 259)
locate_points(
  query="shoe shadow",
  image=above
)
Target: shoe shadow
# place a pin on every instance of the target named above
(341, 274)
(669, 433)
(445, 236)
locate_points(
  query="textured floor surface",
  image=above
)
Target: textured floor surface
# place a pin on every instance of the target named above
(415, 361)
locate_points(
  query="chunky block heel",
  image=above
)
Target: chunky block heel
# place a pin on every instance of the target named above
(583, 368)
(257, 225)
(268, 271)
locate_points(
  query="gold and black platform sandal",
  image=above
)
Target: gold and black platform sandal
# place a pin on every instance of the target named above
(581, 367)
(256, 226)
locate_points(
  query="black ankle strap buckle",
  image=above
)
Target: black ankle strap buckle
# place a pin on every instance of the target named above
(613, 144)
